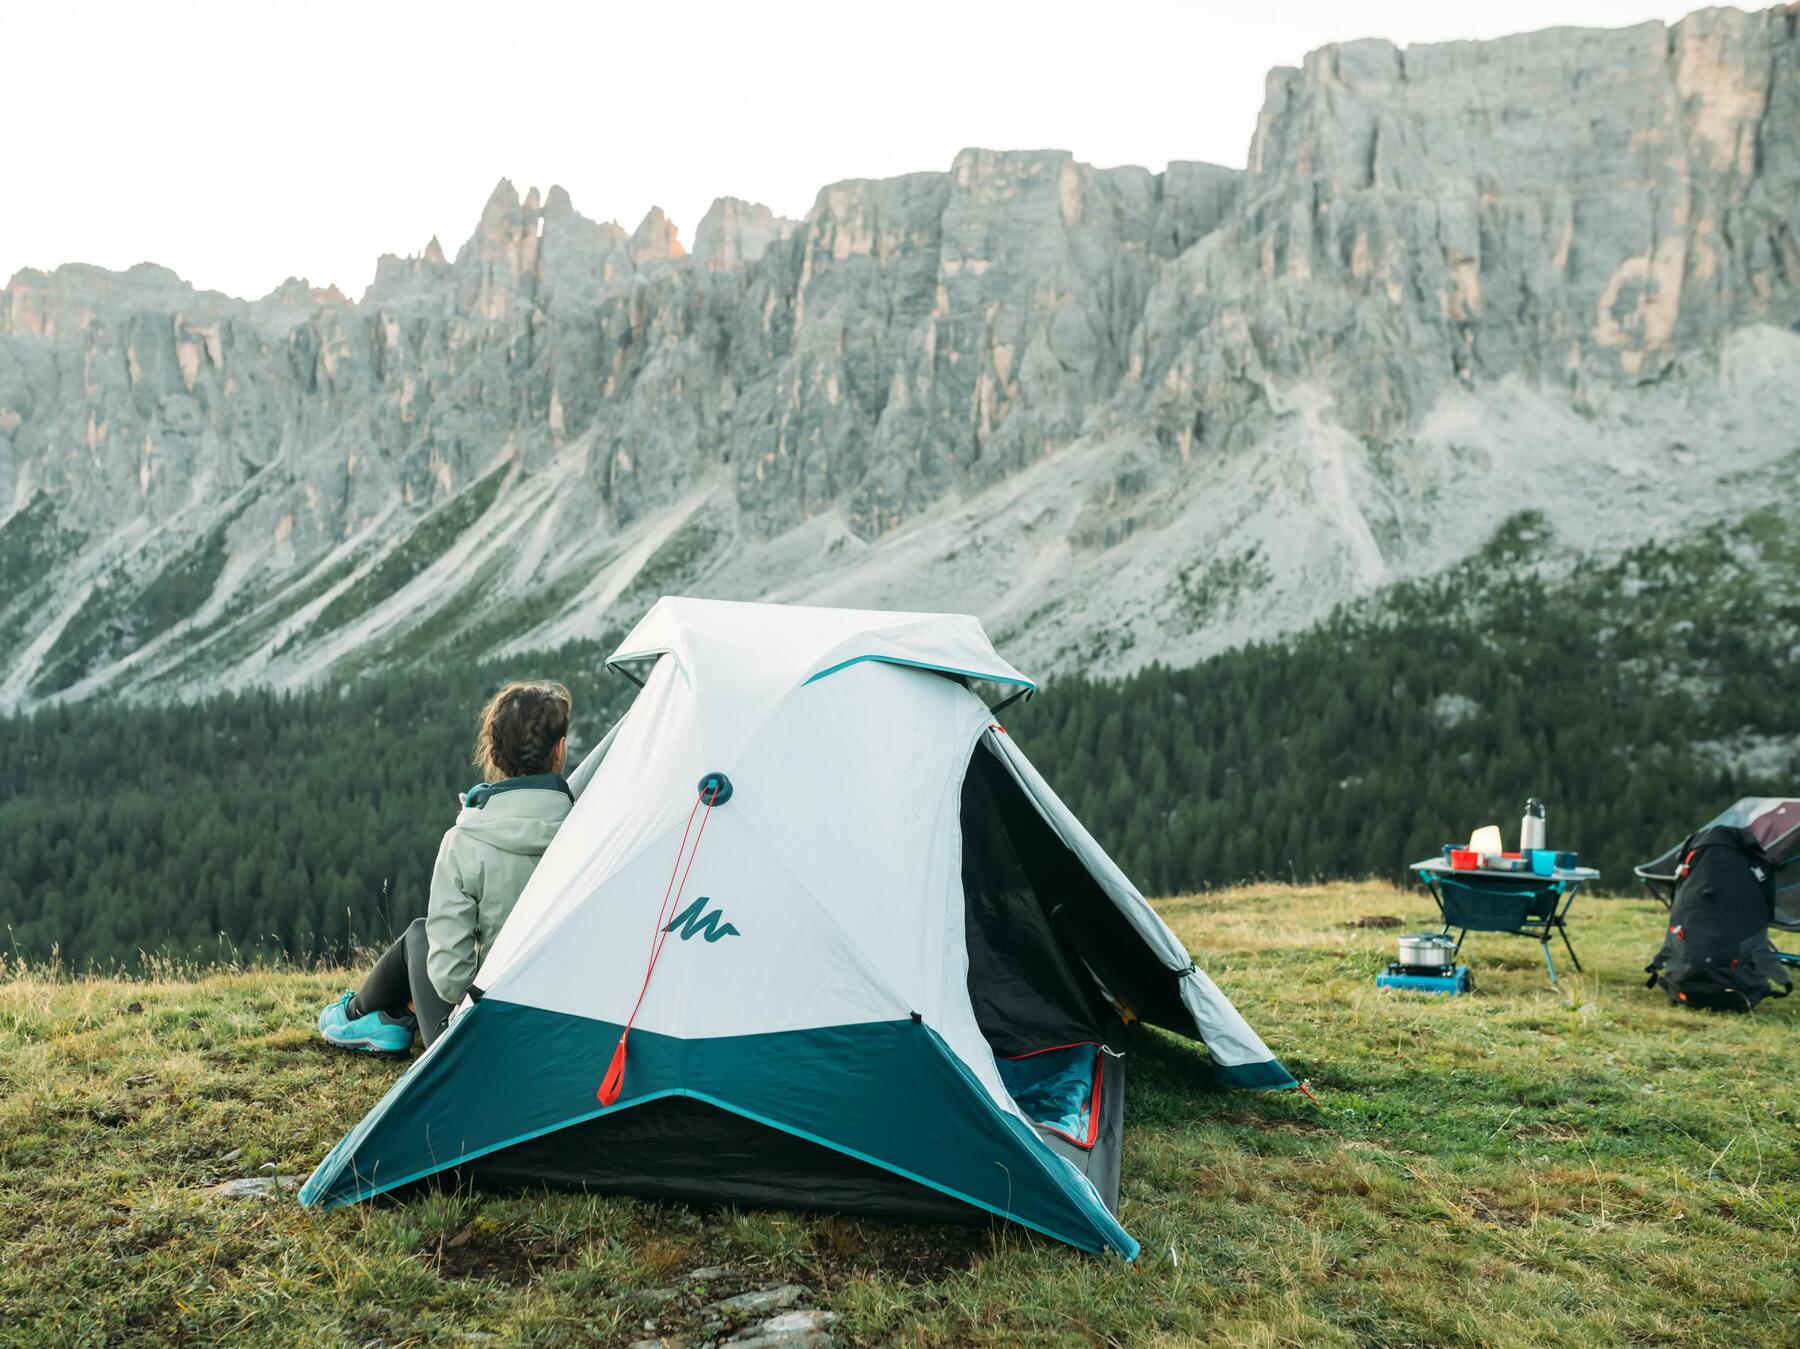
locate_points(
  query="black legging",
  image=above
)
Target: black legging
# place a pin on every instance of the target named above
(398, 978)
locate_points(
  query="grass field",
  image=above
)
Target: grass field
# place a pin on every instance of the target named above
(1530, 1165)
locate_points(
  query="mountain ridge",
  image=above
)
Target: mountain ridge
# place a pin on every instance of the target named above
(1123, 416)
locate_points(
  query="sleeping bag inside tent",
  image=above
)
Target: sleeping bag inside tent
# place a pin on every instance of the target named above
(816, 934)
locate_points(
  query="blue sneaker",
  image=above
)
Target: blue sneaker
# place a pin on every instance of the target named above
(373, 1032)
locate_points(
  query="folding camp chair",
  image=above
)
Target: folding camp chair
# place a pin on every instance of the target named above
(1513, 902)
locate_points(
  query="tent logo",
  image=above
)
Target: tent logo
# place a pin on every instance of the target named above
(694, 918)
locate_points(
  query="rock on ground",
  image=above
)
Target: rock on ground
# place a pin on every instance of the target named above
(763, 1299)
(257, 1187)
(790, 1330)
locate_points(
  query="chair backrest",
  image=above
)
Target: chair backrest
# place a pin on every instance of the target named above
(1484, 905)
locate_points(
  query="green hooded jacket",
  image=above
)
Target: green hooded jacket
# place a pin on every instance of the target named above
(482, 866)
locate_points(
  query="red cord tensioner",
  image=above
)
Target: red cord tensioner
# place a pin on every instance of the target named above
(714, 789)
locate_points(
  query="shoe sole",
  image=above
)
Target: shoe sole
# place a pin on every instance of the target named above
(365, 1045)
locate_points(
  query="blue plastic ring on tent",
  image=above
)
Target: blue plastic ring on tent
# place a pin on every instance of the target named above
(715, 789)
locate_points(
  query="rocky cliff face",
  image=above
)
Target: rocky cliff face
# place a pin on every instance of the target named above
(1123, 415)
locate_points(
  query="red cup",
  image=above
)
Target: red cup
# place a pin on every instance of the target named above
(1464, 859)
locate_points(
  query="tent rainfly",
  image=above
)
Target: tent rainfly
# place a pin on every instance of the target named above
(815, 935)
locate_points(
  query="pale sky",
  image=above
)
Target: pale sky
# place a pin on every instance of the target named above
(245, 142)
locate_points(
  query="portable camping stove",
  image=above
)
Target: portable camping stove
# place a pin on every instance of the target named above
(1427, 978)
(1427, 964)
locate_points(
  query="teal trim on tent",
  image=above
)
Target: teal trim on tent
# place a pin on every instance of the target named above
(888, 1093)
(1266, 1076)
(920, 665)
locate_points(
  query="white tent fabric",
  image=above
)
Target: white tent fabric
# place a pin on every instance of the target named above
(866, 754)
(874, 754)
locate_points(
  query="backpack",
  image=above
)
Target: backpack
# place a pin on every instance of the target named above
(1717, 953)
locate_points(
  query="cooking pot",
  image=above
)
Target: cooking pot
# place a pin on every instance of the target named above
(1426, 949)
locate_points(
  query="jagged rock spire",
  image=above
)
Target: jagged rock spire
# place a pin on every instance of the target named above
(734, 231)
(656, 239)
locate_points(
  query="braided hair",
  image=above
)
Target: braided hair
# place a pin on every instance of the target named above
(519, 730)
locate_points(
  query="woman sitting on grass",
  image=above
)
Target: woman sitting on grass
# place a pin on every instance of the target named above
(482, 866)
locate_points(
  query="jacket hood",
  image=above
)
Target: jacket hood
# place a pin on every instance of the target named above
(522, 821)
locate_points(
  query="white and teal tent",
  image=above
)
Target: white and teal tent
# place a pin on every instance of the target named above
(876, 965)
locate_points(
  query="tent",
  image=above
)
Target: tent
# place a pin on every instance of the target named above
(816, 934)
(1775, 823)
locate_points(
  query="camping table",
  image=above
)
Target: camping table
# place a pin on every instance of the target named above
(1519, 902)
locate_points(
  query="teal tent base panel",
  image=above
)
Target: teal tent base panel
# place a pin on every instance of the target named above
(1266, 1076)
(887, 1094)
